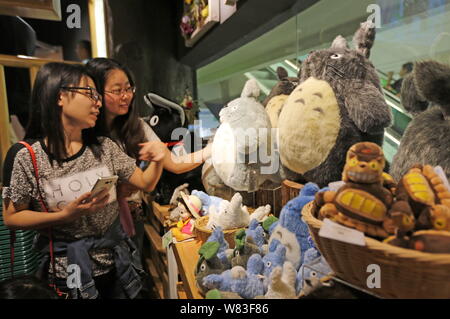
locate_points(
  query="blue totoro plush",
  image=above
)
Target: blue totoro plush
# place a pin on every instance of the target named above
(291, 231)
(224, 252)
(221, 281)
(313, 268)
(272, 260)
(247, 283)
(207, 200)
(256, 231)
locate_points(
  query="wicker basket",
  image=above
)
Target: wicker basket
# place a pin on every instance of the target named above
(405, 273)
(203, 233)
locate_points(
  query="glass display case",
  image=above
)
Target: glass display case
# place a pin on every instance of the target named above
(407, 31)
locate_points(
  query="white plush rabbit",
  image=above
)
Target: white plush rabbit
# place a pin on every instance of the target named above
(229, 214)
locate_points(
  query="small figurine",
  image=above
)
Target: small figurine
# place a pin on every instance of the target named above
(186, 224)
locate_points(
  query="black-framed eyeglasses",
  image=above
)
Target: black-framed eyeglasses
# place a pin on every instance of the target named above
(129, 91)
(91, 92)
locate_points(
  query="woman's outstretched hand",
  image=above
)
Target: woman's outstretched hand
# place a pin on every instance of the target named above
(154, 151)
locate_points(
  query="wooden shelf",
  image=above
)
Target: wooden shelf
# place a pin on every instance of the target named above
(159, 287)
(186, 254)
(160, 212)
(155, 238)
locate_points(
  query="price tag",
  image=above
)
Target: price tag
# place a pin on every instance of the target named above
(167, 239)
(338, 232)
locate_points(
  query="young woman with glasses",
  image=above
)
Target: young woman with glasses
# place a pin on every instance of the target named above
(119, 119)
(77, 229)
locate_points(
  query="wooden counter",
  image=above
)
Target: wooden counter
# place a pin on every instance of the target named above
(186, 254)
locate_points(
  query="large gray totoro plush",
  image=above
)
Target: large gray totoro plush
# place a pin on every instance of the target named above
(339, 102)
(426, 95)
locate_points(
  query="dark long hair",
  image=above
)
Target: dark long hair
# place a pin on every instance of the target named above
(127, 128)
(45, 114)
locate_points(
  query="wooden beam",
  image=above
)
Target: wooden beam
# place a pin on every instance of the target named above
(23, 61)
(43, 9)
(5, 138)
(33, 72)
(92, 27)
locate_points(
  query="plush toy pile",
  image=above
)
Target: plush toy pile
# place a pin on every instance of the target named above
(223, 214)
(268, 258)
(415, 213)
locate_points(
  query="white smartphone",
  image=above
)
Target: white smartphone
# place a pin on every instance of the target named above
(103, 183)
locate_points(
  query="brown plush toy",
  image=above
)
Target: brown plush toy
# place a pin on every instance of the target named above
(429, 241)
(363, 202)
(274, 102)
(422, 192)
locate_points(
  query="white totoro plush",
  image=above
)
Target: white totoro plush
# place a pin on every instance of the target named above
(243, 135)
(229, 215)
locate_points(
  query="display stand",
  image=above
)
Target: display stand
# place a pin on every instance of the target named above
(289, 190)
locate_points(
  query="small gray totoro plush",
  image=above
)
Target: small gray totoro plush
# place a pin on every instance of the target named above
(426, 95)
(339, 102)
(208, 263)
(244, 132)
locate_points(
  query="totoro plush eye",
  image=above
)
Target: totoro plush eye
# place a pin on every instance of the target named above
(268, 264)
(313, 274)
(154, 120)
(203, 267)
(237, 253)
(336, 56)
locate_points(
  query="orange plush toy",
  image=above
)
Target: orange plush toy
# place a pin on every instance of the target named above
(363, 202)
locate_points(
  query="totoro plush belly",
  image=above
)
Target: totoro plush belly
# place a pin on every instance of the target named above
(309, 125)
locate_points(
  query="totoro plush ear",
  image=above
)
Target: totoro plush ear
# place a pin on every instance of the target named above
(281, 73)
(432, 80)
(251, 89)
(412, 100)
(339, 43)
(364, 38)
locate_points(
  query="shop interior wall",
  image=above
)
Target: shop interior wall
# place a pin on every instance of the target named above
(57, 33)
(145, 37)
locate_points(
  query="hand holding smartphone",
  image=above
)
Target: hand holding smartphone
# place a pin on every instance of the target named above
(101, 184)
